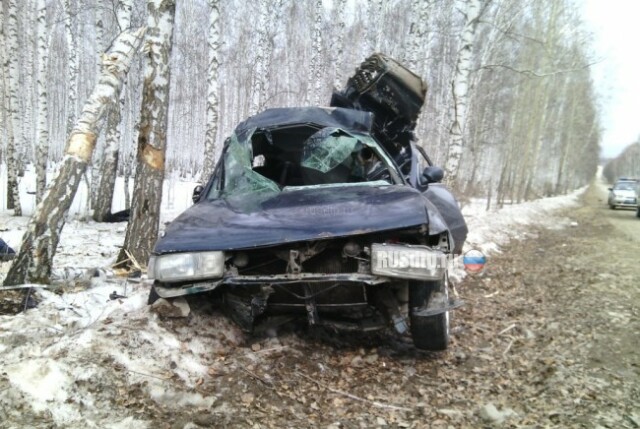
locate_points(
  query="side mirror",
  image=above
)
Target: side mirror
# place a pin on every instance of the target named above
(433, 174)
(197, 192)
(611, 189)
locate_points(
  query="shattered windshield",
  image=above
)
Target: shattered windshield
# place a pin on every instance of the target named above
(268, 161)
(327, 149)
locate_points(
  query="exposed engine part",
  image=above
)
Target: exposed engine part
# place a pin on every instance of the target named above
(240, 259)
(444, 242)
(258, 305)
(304, 252)
(294, 266)
(402, 294)
(386, 301)
(351, 249)
(310, 306)
(364, 266)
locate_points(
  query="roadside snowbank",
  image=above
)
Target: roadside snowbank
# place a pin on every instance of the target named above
(489, 229)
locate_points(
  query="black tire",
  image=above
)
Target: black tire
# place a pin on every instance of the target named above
(638, 211)
(428, 332)
(612, 207)
(153, 296)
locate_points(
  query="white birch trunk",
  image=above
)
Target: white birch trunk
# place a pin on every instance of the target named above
(259, 78)
(96, 162)
(339, 44)
(315, 71)
(374, 29)
(40, 241)
(123, 14)
(460, 87)
(108, 169)
(13, 82)
(28, 73)
(127, 182)
(42, 131)
(418, 42)
(212, 95)
(142, 230)
(73, 66)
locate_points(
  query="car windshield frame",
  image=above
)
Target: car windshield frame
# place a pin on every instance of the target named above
(236, 175)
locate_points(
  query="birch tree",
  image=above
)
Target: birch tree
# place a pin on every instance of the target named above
(142, 229)
(212, 94)
(109, 164)
(339, 43)
(42, 133)
(12, 103)
(316, 69)
(260, 74)
(418, 43)
(72, 61)
(5, 107)
(34, 261)
(472, 10)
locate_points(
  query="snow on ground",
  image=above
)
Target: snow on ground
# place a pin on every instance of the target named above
(489, 229)
(67, 357)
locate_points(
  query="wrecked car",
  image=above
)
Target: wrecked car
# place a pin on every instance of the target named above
(331, 214)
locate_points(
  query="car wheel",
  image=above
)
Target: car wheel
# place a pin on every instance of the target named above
(612, 207)
(429, 332)
(638, 211)
(153, 296)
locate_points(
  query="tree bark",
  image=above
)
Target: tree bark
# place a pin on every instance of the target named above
(338, 79)
(260, 74)
(109, 164)
(73, 60)
(418, 42)
(42, 133)
(12, 104)
(212, 96)
(40, 241)
(142, 230)
(316, 69)
(459, 88)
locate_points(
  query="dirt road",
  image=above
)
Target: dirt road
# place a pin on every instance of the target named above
(549, 337)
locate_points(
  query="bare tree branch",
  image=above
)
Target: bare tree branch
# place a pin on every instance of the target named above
(532, 73)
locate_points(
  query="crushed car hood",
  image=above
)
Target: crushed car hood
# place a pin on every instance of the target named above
(293, 215)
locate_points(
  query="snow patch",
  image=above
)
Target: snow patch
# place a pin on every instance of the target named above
(43, 381)
(168, 397)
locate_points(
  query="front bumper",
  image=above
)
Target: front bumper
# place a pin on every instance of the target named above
(276, 279)
(388, 262)
(625, 201)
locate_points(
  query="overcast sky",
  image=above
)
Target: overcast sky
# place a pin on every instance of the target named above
(617, 77)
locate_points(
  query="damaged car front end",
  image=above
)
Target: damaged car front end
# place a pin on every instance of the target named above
(321, 213)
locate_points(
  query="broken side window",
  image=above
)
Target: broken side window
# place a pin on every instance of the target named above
(239, 175)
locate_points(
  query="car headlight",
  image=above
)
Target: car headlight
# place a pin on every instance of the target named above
(408, 262)
(175, 267)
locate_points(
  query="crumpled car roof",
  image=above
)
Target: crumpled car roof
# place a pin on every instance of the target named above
(334, 117)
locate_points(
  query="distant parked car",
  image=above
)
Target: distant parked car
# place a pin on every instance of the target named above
(623, 194)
